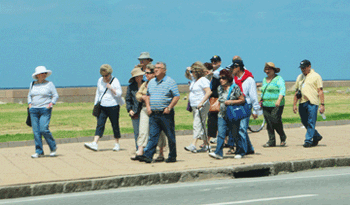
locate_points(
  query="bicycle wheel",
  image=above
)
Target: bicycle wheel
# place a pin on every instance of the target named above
(257, 124)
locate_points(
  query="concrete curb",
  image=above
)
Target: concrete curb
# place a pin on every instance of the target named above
(272, 168)
(131, 135)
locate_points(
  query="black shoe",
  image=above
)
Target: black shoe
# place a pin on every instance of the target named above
(226, 145)
(143, 158)
(307, 145)
(170, 160)
(250, 152)
(315, 142)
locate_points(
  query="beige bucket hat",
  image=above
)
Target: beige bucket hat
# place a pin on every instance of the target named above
(145, 55)
(136, 72)
(272, 65)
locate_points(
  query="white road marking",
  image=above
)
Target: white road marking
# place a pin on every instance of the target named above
(265, 199)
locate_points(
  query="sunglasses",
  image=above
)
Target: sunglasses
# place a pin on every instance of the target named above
(223, 78)
(105, 75)
(148, 73)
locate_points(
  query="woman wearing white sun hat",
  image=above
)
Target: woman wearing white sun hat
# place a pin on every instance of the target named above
(41, 98)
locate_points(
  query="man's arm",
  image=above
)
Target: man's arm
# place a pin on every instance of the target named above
(321, 95)
(295, 109)
(172, 104)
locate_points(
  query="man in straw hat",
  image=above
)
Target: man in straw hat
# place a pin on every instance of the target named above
(163, 95)
(310, 85)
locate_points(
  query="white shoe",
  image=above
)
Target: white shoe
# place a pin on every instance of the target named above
(238, 156)
(116, 147)
(36, 155)
(213, 155)
(53, 154)
(191, 148)
(93, 146)
(204, 149)
(213, 141)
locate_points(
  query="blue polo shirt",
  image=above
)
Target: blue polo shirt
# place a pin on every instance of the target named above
(162, 92)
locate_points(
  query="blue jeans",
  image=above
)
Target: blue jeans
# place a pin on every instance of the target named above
(157, 123)
(243, 132)
(308, 115)
(40, 118)
(113, 114)
(136, 126)
(232, 127)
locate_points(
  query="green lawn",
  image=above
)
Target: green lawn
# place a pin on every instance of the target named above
(75, 119)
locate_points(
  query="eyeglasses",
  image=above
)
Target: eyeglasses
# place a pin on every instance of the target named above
(192, 71)
(223, 78)
(105, 75)
(43, 73)
(148, 73)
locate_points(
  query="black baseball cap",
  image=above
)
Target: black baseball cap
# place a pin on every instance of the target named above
(237, 63)
(215, 59)
(304, 63)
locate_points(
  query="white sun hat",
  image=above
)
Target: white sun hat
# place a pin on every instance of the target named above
(41, 69)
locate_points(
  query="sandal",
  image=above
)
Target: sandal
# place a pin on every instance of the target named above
(136, 157)
(283, 143)
(231, 151)
(160, 158)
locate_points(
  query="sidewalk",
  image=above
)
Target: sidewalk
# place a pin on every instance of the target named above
(75, 162)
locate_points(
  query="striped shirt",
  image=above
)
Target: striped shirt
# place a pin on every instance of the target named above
(276, 88)
(162, 92)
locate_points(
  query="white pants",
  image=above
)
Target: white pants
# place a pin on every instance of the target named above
(198, 131)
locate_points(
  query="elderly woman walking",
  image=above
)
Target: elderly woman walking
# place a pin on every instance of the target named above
(42, 97)
(198, 97)
(229, 94)
(132, 105)
(108, 93)
(273, 91)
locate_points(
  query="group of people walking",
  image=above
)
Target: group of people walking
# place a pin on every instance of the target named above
(152, 95)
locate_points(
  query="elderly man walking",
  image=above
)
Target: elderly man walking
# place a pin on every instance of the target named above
(163, 95)
(310, 93)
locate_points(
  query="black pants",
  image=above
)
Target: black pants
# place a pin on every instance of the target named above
(273, 118)
(212, 124)
(113, 114)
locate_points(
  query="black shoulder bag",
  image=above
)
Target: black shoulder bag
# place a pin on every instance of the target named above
(29, 121)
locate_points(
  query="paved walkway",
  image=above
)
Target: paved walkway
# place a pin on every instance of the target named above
(74, 161)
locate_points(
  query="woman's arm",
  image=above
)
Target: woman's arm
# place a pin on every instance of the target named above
(239, 101)
(188, 74)
(206, 97)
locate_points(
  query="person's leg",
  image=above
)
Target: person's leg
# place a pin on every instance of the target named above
(44, 128)
(243, 132)
(143, 131)
(269, 125)
(277, 123)
(212, 124)
(113, 114)
(312, 118)
(240, 143)
(101, 122)
(154, 130)
(197, 127)
(136, 126)
(168, 126)
(304, 115)
(222, 126)
(35, 117)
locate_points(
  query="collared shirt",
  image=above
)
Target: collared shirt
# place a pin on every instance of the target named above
(251, 95)
(273, 89)
(162, 92)
(308, 85)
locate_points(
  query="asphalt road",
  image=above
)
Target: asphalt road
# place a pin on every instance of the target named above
(322, 186)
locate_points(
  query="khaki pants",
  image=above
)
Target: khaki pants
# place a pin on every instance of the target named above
(198, 131)
(142, 140)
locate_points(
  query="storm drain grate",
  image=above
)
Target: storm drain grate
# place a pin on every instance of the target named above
(253, 173)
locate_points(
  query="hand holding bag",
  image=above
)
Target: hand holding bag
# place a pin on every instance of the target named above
(237, 112)
(97, 108)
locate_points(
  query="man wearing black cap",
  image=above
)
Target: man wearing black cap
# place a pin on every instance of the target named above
(215, 82)
(310, 93)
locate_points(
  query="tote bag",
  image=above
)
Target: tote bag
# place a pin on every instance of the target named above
(237, 112)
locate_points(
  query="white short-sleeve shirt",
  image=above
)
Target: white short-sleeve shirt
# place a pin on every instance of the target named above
(197, 91)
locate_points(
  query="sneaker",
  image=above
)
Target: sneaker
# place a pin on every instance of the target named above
(315, 142)
(307, 145)
(53, 154)
(116, 147)
(36, 155)
(238, 156)
(93, 146)
(204, 149)
(191, 148)
(170, 160)
(213, 140)
(213, 155)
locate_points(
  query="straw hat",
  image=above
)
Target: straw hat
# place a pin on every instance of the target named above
(41, 69)
(272, 65)
(136, 72)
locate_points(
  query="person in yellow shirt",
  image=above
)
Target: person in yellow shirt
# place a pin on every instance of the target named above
(310, 94)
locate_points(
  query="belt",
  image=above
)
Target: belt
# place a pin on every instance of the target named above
(157, 112)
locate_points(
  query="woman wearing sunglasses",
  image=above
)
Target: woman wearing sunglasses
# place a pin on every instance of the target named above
(224, 124)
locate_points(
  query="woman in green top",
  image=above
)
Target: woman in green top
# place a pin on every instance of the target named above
(273, 91)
